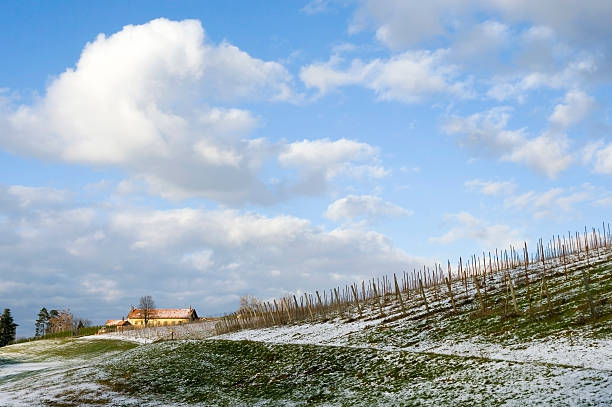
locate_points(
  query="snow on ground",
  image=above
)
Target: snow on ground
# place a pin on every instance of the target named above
(12, 369)
(593, 354)
(197, 330)
(578, 352)
(327, 333)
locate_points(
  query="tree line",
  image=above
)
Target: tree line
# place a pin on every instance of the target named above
(54, 321)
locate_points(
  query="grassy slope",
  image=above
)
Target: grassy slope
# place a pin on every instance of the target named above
(249, 373)
(568, 315)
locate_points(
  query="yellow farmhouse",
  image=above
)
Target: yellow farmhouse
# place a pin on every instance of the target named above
(162, 316)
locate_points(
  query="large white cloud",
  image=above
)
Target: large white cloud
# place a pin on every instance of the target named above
(152, 99)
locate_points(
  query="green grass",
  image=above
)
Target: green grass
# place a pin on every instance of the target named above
(63, 348)
(223, 373)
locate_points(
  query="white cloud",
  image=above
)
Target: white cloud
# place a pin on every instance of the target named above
(598, 156)
(407, 77)
(490, 236)
(546, 154)
(25, 196)
(200, 260)
(324, 153)
(316, 6)
(577, 106)
(140, 100)
(486, 133)
(363, 206)
(556, 203)
(491, 187)
(320, 161)
(603, 160)
(557, 44)
(476, 44)
(400, 24)
(575, 73)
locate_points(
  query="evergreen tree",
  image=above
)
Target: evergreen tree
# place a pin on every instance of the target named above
(8, 328)
(41, 322)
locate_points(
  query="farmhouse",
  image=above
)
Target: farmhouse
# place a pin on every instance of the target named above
(162, 316)
(117, 322)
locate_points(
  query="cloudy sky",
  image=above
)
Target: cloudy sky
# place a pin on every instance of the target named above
(200, 151)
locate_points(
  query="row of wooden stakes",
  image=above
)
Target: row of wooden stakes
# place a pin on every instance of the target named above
(423, 287)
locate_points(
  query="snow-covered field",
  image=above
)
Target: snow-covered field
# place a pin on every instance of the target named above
(576, 352)
(198, 330)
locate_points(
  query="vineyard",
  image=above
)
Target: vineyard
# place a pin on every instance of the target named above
(513, 283)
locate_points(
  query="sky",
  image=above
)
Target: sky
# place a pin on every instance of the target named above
(201, 151)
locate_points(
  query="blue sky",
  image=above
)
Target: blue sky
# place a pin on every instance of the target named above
(200, 151)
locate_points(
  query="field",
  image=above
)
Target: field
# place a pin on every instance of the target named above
(545, 339)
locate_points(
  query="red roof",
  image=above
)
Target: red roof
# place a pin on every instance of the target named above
(164, 313)
(112, 322)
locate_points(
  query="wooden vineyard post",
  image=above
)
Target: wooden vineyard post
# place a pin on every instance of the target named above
(586, 248)
(356, 300)
(321, 305)
(507, 294)
(297, 307)
(278, 315)
(482, 305)
(484, 276)
(526, 255)
(338, 302)
(544, 291)
(450, 292)
(271, 314)
(564, 261)
(587, 286)
(399, 295)
(514, 304)
(309, 307)
(528, 292)
(423, 294)
(286, 303)
(378, 299)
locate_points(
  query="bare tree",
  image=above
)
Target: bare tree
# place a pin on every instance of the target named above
(146, 305)
(248, 302)
(60, 321)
